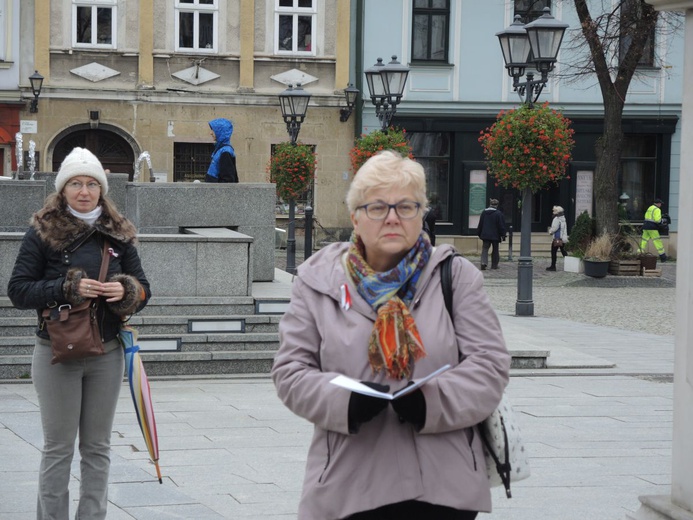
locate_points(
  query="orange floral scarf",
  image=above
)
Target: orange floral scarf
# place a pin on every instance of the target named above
(395, 343)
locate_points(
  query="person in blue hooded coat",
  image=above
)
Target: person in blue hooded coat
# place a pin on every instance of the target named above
(223, 165)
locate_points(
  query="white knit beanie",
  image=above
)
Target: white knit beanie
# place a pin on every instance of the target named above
(78, 162)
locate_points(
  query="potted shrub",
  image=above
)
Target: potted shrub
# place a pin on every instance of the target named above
(578, 240)
(624, 259)
(598, 256)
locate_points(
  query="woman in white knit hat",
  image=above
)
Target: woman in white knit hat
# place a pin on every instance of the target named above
(58, 264)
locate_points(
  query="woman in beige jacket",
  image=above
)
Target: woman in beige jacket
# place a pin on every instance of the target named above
(373, 310)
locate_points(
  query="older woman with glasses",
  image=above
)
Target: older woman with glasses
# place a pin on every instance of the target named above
(58, 265)
(372, 309)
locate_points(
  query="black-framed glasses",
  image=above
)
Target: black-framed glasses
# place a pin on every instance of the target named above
(406, 210)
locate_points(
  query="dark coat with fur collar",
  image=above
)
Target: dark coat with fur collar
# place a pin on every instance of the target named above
(59, 250)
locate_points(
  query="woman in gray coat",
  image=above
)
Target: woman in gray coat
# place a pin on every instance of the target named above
(373, 310)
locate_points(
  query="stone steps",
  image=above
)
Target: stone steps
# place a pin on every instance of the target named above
(177, 335)
(190, 336)
(169, 324)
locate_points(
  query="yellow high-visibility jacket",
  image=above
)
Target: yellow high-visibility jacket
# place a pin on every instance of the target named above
(653, 216)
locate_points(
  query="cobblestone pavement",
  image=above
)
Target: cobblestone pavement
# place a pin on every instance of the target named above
(625, 302)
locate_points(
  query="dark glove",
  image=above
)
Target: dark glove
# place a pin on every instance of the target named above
(363, 408)
(411, 408)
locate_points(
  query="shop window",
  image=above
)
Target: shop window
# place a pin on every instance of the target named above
(430, 30)
(196, 25)
(295, 27)
(94, 23)
(191, 161)
(638, 175)
(432, 151)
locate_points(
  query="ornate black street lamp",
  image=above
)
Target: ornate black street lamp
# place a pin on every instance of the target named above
(534, 45)
(36, 81)
(543, 38)
(294, 104)
(386, 86)
(351, 94)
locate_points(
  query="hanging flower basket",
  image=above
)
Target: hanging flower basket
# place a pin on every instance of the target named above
(368, 145)
(292, 169)
(528, 147)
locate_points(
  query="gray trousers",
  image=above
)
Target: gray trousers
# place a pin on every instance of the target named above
(76, 396)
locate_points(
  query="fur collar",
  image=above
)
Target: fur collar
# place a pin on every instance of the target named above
(56, 226)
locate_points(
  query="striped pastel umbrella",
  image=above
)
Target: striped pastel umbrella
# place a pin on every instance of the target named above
(141, 394)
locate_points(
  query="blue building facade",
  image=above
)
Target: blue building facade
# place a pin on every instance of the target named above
(458, 84)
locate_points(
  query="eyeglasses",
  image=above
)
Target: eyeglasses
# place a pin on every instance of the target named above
(406, 210)
(77, 186)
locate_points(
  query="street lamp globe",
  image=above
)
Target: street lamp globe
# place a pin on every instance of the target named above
(545, 37)
(36, 81)
(515, 46)
(294, 104)
(394, 76)
(374, 80)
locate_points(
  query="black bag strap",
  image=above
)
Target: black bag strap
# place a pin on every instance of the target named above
(503, 468)
(446, 282)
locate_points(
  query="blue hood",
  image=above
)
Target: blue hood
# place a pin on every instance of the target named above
(222, 128)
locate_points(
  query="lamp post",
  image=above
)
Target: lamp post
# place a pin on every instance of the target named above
(543, 38)
(294, 104)
(386, 86)
(36, 81)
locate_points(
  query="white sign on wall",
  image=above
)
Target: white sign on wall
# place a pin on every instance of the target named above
(27, 126)
(584, 180)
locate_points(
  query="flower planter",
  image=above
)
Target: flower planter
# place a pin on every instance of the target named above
(573, 264)
(649, 262)
(596, 268)
(625, 267)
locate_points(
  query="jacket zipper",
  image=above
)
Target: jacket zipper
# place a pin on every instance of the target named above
(471, 441)
(329, 456)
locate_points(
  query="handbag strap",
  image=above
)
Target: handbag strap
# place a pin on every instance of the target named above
(503, 468)
(105, 260)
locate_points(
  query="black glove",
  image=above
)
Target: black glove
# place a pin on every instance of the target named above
(411, 408)
(362, 408)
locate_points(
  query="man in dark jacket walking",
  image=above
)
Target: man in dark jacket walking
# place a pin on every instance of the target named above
(491, 230)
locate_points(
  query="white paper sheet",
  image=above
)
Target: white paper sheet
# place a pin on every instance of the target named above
(356, 386)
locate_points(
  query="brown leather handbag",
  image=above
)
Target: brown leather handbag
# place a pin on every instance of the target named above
(74, 329)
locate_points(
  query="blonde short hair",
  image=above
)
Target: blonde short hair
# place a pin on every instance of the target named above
(557, 210)
(387, 169)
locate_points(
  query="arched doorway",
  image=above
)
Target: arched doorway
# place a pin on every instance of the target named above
(114, 151)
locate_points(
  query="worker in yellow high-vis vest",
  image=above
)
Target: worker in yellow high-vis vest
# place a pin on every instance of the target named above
(650, 229)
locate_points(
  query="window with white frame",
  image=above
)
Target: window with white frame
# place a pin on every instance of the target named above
(4, 33)
(430, 30)
(294, 26)
(196, 25)
(94, 23)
